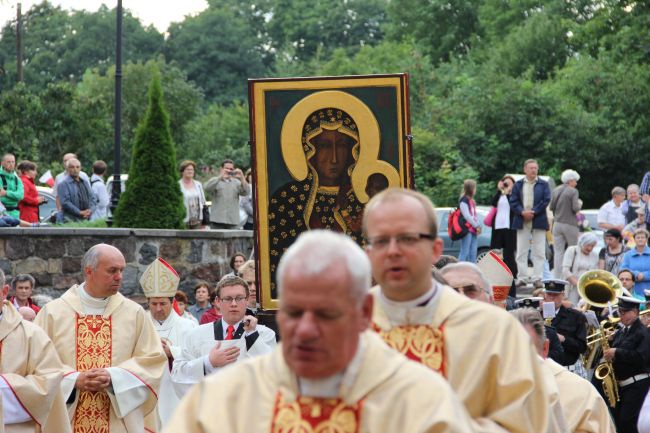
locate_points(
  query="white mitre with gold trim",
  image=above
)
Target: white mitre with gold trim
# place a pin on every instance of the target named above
(159, 280)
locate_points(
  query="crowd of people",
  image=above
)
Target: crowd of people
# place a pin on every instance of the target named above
(427, 349)
(83, 198)
(526, 217)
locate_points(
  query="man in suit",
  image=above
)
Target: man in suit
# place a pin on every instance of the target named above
(528, 202)
(570, 324)
(207, 348)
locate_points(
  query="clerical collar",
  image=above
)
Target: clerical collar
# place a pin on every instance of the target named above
(336, 385)
(418, 311)
(420, 301)
(91, 304)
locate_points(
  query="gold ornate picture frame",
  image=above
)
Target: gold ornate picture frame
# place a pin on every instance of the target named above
(320, 148)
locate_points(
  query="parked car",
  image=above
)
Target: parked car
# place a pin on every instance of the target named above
(48, 207)
(452, 248)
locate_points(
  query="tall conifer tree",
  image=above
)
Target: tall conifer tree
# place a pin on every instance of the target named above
(153, 198)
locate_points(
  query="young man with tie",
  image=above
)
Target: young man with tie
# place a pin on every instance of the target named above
(207, 348)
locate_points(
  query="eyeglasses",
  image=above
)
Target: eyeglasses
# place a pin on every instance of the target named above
(404, 240)
(229, 299)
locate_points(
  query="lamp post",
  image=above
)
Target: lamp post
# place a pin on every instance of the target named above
(117, 178)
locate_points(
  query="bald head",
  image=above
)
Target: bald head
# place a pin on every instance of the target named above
(27, 313)
(103, 266)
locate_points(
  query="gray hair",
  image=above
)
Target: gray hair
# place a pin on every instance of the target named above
(467, 267)
(91, 258)
(618, 190)
(317, 251)
(3, 279)
(568, 175)
(532, 318)
(633, 187)
(41, 299)
(23, 277)
(587, 238)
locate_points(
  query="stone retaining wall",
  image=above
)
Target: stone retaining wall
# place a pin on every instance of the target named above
(53, 255)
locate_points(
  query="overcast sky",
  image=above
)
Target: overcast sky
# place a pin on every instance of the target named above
(157, 12)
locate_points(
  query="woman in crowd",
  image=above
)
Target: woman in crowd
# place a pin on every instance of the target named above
(181, 301)
(577, 260)
(28, 206)
(236, 261)
(468, 244)
(504, 237)
(611, 256)
(193, 195)
(638, 261)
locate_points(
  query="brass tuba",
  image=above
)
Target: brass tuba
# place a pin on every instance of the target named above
(599, 288)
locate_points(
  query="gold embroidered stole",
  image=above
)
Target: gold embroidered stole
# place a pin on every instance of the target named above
(422, 343)
(94, 350)
(315, 415)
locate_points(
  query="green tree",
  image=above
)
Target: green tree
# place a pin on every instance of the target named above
(60, 46)
(153, 198)
(302, 29)
(20, 117)
(219, 51)
(96, 93)
(220, 133)
(444, 29)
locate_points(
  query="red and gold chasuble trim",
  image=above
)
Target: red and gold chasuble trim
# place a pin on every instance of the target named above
(94, 350)
(422, 343)
(315, 415)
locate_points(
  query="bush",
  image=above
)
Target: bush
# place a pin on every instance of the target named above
(153, 198)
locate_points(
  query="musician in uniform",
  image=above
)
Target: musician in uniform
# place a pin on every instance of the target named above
(629, 353)
(555, 347)
(570, 324)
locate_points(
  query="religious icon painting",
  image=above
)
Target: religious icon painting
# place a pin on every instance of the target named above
(321, 148)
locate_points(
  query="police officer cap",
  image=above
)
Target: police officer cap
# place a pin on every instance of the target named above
(629, 303)
(529, 302)
(554, 285)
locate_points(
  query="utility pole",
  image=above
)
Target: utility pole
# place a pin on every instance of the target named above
(19, 45)
(117, 178)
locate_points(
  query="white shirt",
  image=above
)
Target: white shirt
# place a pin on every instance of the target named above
(611, 214)
(190, 366)
(99, 189)
(502, 220)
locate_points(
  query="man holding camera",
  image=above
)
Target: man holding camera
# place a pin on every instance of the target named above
(224, 190)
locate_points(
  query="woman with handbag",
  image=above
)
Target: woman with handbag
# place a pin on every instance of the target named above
(193, 195)
(469, 243)
(503, 236)
(577, 260)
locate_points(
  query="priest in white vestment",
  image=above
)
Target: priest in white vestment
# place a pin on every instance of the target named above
(329, 374)
(214, 346)
(112, 356)
(480, 349)
(159, 283)
(30, 375)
